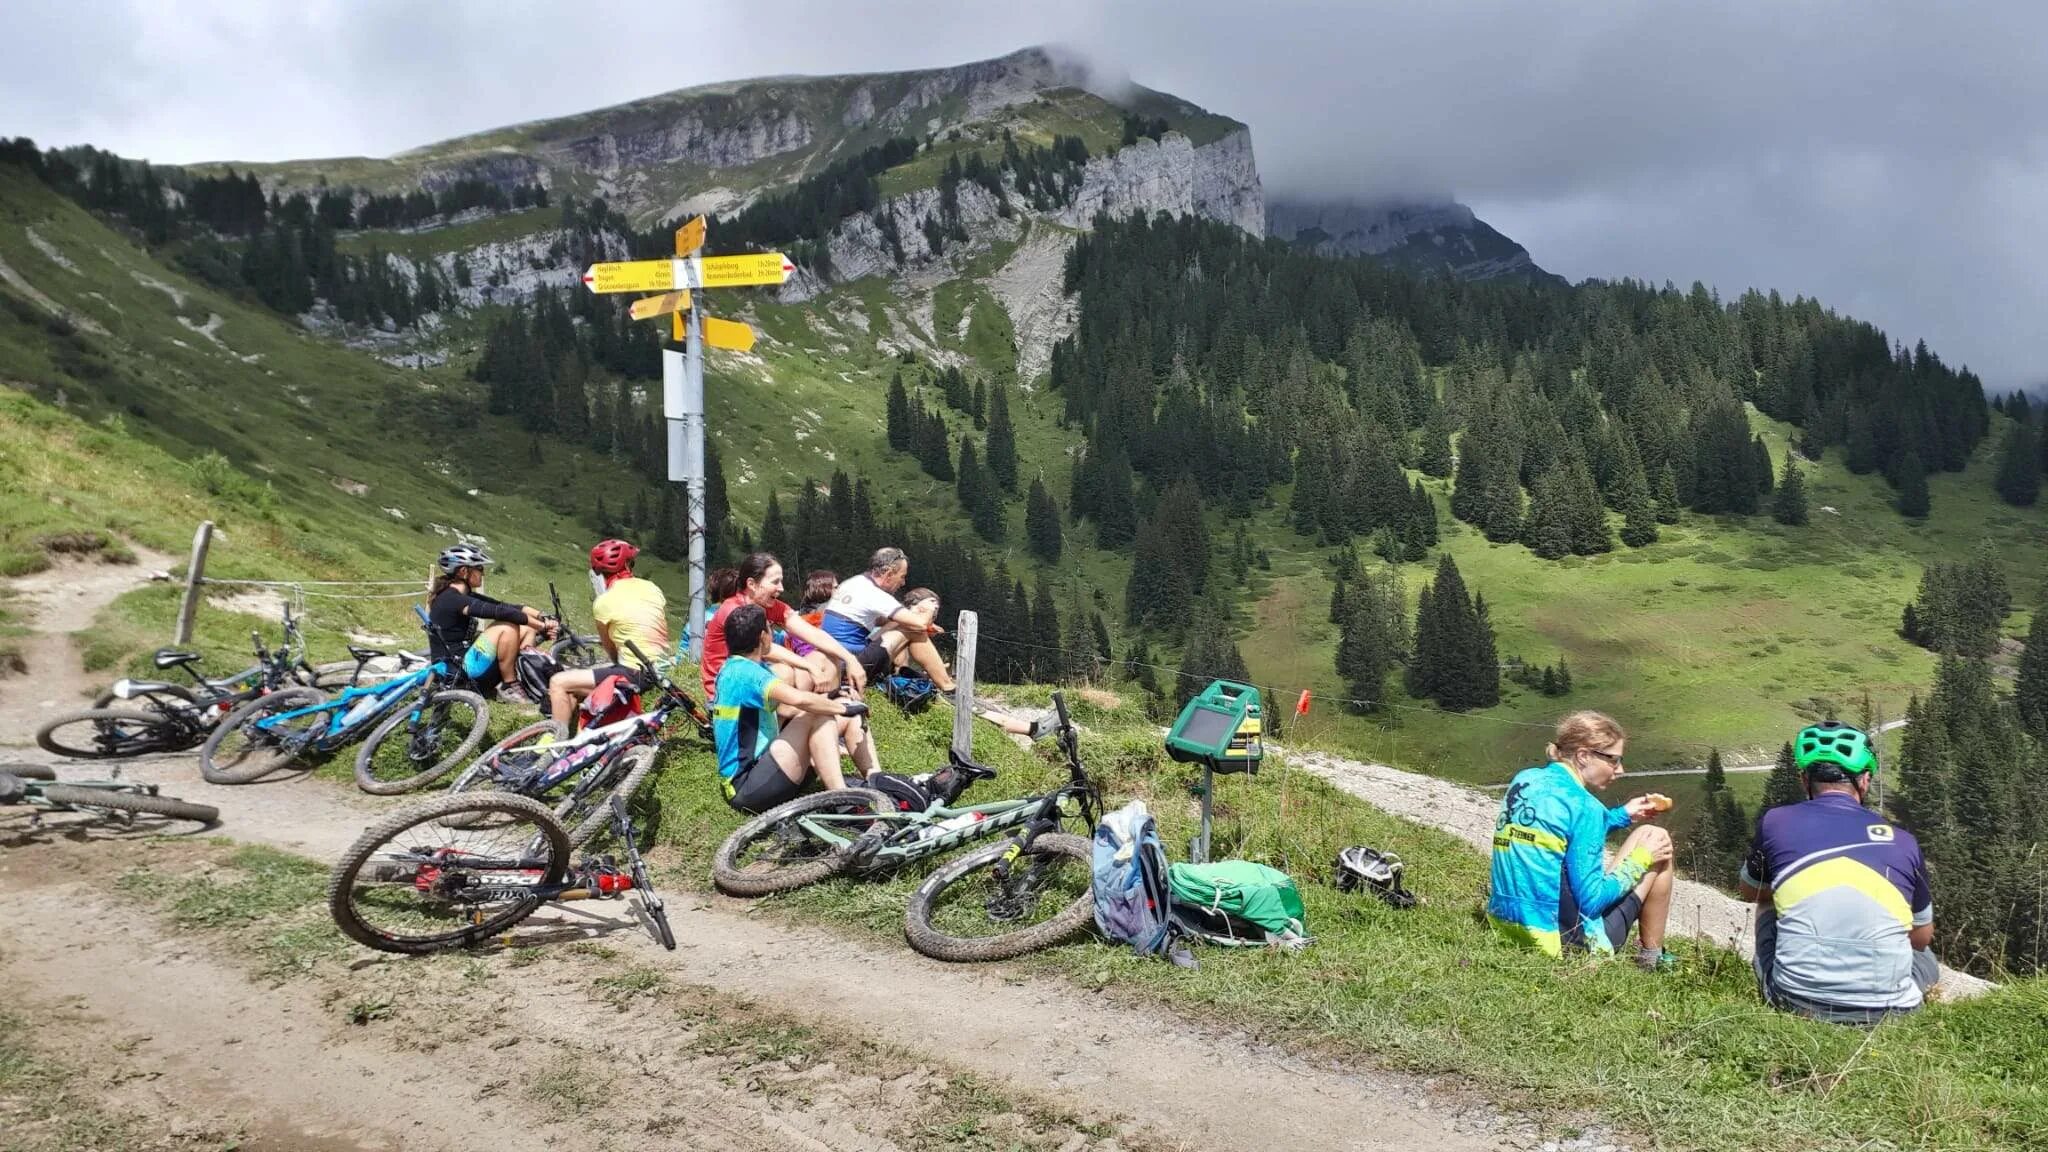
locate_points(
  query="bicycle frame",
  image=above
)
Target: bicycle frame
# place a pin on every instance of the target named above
(913, 836)
(341, 727)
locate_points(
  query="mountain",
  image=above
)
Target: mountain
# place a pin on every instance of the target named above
(1429, 235)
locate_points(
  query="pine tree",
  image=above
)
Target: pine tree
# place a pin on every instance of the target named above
(1436, 458)
(1002, 441)
(978, 407)
(1047, 657)
(2019, 467)
(901, 431)
(1042, 522)
(775, 537)
(1632, 496)
(967, 476)
(1914, 499)
(1666, 496)
(1785, 785)
(1103, 650)
(2030, 694)
(1788, 504)
(1548, 529)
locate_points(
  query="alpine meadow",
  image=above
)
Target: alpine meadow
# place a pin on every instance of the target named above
(1154, 426)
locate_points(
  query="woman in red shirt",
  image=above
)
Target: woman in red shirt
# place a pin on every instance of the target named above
(758, 580)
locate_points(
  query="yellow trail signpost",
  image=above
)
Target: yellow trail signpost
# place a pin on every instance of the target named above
(682, 369)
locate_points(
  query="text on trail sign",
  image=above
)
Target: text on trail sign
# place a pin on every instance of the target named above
(689, 272)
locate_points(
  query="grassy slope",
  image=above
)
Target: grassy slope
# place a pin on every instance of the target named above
(1691, 1057)
(143, 405)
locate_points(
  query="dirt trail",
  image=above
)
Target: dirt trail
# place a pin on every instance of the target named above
(487, 1053)
(1210, 1091)
(54, 603)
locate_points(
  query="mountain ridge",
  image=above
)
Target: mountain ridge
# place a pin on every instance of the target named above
(1425, 233)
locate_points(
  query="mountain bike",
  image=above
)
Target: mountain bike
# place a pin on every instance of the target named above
(572, 650)
(439, 725)
(824, 834)
(33, 785)
(137, 717)
(454, 871)
(605, 760)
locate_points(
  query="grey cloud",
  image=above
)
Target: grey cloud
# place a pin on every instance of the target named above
(1891, 157)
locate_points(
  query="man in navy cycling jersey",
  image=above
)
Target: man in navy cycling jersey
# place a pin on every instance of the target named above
(1844, 915)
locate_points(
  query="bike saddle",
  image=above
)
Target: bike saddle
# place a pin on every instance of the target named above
(172, 657)
(364, 655)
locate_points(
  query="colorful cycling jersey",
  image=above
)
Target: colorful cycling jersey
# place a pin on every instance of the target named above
(1548, 863)
(742, 719)
(1847, 889)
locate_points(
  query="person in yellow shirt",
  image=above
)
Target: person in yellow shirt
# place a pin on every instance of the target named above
(629, 609)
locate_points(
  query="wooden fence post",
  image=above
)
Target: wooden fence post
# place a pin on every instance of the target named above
(195, 575)
(966, 629)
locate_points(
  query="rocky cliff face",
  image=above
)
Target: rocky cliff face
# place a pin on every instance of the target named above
(1426, 234)
(1219, 181)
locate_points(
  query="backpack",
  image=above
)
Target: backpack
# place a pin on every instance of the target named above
(1238, 903)
(906, 793)
(535, 669)
(1132, 904)
(614, 699)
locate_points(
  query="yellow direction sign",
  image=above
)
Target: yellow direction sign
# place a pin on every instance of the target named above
(728, 334)
(690, 237)
(740, 271)
(631, 276)
(648, 307)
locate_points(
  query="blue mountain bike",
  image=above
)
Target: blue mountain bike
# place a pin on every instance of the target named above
(415, 726)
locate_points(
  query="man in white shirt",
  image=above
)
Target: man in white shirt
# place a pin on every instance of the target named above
(883, 632)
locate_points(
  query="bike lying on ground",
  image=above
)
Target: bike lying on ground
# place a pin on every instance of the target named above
(1032, 888)
(422, 726)
(32, 785)
(608, 759)
(454, 871)
(137, 717)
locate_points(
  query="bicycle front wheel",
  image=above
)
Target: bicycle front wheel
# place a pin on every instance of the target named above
(774, 852)
(418, 744)
(447, 872)
(113, 733)
(966, 912)
(242, 749)
(588, 813)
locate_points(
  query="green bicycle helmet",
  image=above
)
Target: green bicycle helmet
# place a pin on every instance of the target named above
(1833, 751)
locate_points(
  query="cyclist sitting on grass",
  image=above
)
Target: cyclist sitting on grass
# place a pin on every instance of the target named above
(455, 606)
(1551, 885)
(1844, 918)
(865, 617)
(758, 581)
(764, 764)
(629, 609)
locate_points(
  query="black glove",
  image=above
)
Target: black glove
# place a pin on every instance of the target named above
(854, 708)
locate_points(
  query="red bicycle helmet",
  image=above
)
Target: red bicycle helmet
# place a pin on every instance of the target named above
(612, 557)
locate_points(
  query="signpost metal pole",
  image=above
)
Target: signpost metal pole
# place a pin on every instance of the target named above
(693, 472)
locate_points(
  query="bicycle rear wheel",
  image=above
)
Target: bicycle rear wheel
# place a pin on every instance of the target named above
(84, 798)
(240, 750)
(773, 852)
(963, 912)
(418, 744)
(577, 652)
(447, 872)
(113, 733)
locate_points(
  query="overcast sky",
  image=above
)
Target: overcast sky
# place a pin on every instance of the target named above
(1888, 157)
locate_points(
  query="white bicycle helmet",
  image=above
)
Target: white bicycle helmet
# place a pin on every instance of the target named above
(462, 556)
